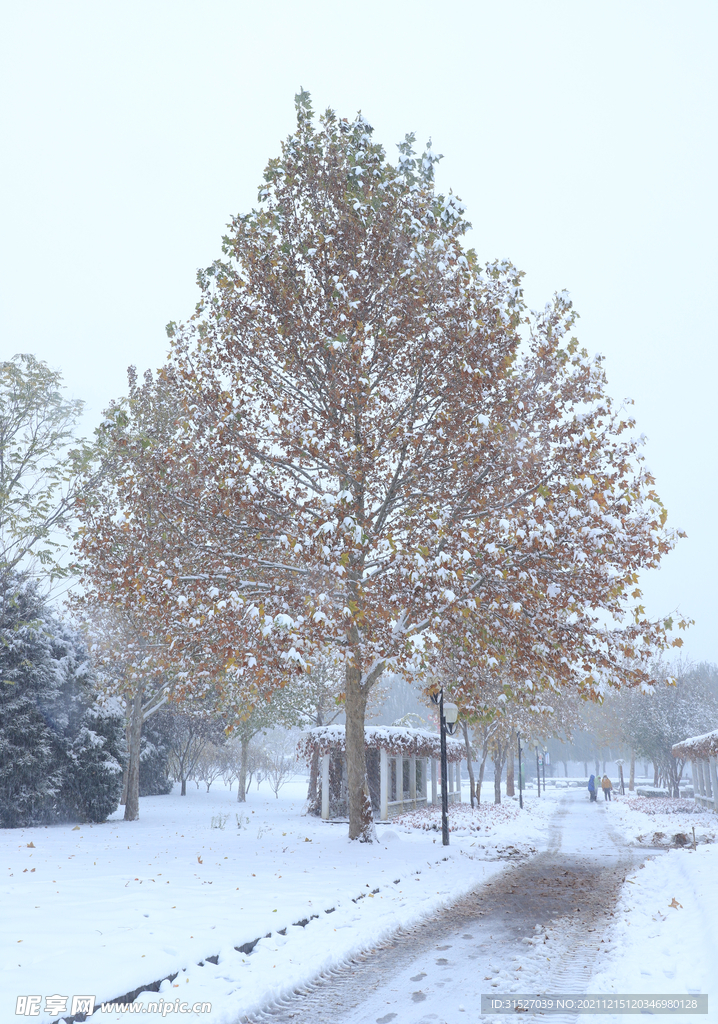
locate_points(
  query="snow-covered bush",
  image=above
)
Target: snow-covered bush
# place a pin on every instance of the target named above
(61, 754)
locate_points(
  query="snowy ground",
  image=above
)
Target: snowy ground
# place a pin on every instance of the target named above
(665, 932)
(102, 910)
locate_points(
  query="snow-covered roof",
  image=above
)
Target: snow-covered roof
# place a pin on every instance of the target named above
(698, 746)
(396, 740)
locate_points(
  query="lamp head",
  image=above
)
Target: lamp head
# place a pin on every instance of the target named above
(451, 713)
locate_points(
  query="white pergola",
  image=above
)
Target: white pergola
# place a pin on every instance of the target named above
(702, 752)
(401, 764)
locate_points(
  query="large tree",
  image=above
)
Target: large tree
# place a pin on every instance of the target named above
(39, 468)
(372, 446)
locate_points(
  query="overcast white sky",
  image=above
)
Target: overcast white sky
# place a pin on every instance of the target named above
(582, 138)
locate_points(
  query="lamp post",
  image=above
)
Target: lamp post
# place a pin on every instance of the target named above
(538, 771)
(521, 794)
(448, 715)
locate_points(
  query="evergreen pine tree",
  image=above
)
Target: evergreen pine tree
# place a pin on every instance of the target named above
(93, 739)
(61, 754)
(31, 754)
(154, 757)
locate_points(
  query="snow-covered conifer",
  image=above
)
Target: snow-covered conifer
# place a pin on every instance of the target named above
(61, 753)
(31, 751)
(155, 758)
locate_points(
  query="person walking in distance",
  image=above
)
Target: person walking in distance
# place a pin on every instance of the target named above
(606, 786)
(592, 788)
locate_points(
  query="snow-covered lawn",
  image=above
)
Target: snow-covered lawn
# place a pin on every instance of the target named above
(104, 909)
(665, 935)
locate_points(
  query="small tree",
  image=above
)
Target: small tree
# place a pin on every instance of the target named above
(131, 667)
(190, 735)
(210, 765)
(279, 760)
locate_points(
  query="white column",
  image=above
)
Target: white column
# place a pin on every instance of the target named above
(707, 775)
(399, 761)
(325, 786)
(412, 780)
(714, 779)
(698, 782)
(434, 787)
(384, 784)
(458, 782)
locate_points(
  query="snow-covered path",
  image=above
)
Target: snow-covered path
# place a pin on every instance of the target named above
(536, 927)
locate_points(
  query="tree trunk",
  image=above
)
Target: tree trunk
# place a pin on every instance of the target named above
(361, 820)
(132, 802)
(313, 800)
(183, 791)
(242, 781)
(469, 765)
(655, 774)
(677, 776)
(632, 776)
(126, 769)
(510, 790)
(482, 766)
(585, 768)
(598, 767)
(498, 769)
(565, 769)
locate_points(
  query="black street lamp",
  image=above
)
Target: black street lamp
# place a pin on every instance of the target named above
(448, 715)
(521, 795)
